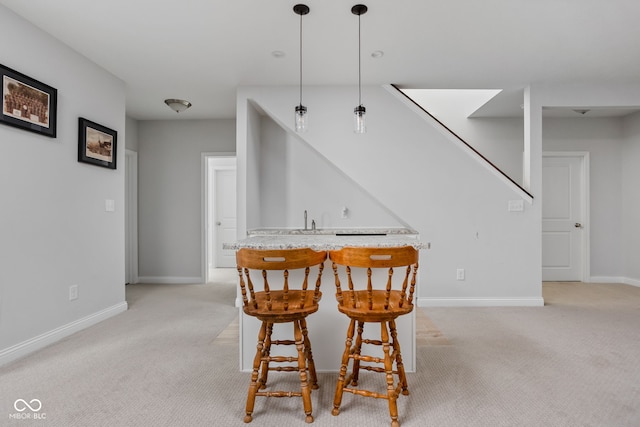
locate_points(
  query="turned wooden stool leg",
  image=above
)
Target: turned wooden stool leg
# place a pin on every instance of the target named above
(302, 369)
(357, 351)
(337, 400)
(402, 377)
(266, 352)
(313, 380)
(255, 383)
(388, 368)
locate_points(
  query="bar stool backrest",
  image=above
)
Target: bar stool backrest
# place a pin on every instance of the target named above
(377, 258)
(282, 260)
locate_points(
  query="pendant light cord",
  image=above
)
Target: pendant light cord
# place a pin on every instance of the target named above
(359, 65)
(300, 59)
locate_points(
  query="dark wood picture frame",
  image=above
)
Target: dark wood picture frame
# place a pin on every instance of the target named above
(27, 103)
(97, 144)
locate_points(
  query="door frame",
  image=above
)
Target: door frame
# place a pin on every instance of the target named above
(205, 211)
(585, 250)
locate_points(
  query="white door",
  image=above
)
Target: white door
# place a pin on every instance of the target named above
(562, 218)
(224, 216)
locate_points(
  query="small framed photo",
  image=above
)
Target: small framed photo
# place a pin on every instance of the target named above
(96, 144)
(27, 103)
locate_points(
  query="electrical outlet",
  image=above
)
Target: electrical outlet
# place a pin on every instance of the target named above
(460, 274)
(73, 292)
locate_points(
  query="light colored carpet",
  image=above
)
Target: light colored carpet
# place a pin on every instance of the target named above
(172, 360)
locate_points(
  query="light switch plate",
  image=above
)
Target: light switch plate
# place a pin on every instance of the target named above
(110, 205)
(516, 205)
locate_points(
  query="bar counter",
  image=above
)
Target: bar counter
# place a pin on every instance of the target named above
(328, 239)
(327, 327)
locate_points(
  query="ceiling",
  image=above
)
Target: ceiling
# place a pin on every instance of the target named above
(202, 50)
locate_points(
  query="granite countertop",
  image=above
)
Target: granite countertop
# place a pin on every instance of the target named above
(324, 240)
(330, 231)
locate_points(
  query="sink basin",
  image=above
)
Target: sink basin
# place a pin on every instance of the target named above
(361, 234)
(320, 231)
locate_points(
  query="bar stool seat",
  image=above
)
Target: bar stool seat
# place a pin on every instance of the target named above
(356, 305)
(300, 303)
(275, 304)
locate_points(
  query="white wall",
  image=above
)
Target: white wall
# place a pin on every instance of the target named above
(132, 134)
(294, 177)
(500, 140)
(612, 143)
(54, 231)
(170, 195)
(613, 153)
(601, 137)
(249, 158)
(631, 198)
(272, 177)
(429, 183)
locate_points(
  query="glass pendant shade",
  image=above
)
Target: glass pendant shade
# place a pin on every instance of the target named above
(359, 119)
(301, 118)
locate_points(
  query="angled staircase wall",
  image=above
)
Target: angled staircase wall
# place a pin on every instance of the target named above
(430, 182)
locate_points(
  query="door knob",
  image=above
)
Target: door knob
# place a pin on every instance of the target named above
(578, 225)
(219, 223)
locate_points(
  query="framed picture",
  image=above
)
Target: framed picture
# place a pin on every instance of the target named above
(96, 144)
(27, 103)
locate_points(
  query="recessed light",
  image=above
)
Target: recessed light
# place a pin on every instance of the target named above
(377, 54)
(277, 54)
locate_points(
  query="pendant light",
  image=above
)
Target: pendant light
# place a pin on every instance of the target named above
(359, 111)
(301, 110)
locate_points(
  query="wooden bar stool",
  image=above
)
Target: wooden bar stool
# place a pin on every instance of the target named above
(280, 304)
(381, 301)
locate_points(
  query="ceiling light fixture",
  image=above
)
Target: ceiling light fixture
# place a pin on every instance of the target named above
(359, 111)
(301, 110)
(177, 105)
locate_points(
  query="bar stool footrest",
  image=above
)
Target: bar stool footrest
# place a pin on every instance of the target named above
(279, 393)
(366, 393)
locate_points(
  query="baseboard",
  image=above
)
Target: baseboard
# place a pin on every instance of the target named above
(632, 282)
(170, 280)
(29, 346)
(616, 279)
(480, 302)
